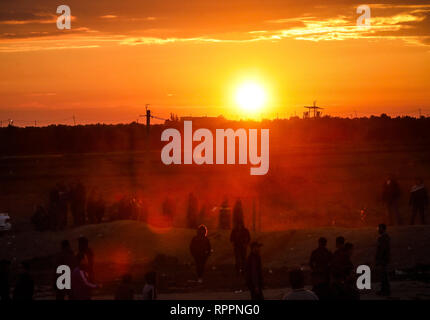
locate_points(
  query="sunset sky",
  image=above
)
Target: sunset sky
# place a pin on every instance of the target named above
(190, 58)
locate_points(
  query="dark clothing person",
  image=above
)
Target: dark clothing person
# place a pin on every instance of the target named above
(340, 262)
(419, 202)
(238, 214)
(149, 291)
(254, 275)
(81, 286)
(240, 238)
(319, 263)
(390, 196)
(24, 288)
(85, 251)
(200, 249)
(382, 259)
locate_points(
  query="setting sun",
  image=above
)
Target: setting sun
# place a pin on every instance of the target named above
(250, 96)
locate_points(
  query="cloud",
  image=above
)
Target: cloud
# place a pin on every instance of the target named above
(135, 23)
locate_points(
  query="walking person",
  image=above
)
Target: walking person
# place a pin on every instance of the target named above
(320, 262)
(87, 252)
(382, 259)
(149, 291)
(254, 272)
(81, 284)
(419, 201)
(240, 238)
(200, 249)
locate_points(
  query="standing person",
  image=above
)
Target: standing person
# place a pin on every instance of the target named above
(339, 257)
(81, 284)
(240, 239)
(382, 259)
(65, 257)
(297, 281)
(319, 263)
(4, 280)
(200, 249)
(24, 288)
(390, 196)
(238, 214)
(125, 290)
(419, 201)
(149, 291)
(254, 272)
(87, 252)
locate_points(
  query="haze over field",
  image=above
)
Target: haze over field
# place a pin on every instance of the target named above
(193, 58)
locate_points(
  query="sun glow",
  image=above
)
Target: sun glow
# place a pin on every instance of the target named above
(251, 97)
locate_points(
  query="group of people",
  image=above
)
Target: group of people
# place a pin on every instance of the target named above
(333, 275)
(83, 207)
(418, 201)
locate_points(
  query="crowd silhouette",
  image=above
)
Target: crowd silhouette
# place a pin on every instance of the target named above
(332, 274)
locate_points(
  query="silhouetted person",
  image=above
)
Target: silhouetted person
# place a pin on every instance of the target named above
(338, 290)
(149, 291)
(238, 214)
(390, 196)
(297, 281)
(81, 284)
(254, 272)
(382, 259)
(240, 238)
(24, 288)
(65, 257)
(320, 262)
(419, 201)
(125, 290)
(87, 252)
(200, 249)
(4, 280)
(339, 257)
(192, 211)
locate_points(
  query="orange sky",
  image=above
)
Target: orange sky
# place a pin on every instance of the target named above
(189, 58)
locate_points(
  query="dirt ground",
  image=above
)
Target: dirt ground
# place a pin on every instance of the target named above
(134, 247)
